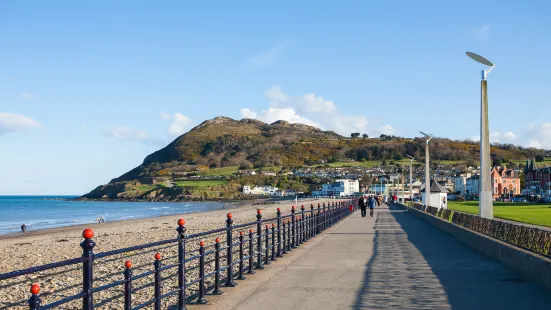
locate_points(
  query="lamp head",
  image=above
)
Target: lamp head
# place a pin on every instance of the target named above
(483, 61)
(429, 136)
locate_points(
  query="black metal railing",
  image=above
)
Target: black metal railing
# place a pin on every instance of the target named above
(529, 238)
(198, 267)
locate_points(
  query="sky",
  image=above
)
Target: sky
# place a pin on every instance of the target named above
(88, 89)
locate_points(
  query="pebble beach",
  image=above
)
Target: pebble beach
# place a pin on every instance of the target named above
(47, 246)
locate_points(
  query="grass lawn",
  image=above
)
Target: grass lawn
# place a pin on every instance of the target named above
(201, 183)
(220, 171)
(521, 212)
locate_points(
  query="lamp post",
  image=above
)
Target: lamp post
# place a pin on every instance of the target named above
(485, 194)
(427, 169)
(411, 176)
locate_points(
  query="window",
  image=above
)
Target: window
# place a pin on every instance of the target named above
(495, 180)
(513, 181)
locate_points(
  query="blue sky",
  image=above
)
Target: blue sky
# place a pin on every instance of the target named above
(87, 90)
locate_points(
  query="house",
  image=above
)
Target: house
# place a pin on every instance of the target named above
(461, 183)
(438, 195)
(505, 182)
(537, 181)
(268, 173)
(340, 188)
(472, 185)
(258, 190)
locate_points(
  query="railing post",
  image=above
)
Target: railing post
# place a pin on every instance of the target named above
(241, 240)
(87, 267)
(289, 236)
(278, 232)
(229, 251)
(157, 266)
(303, 223)
(284, 251)
(217, 290)
(128, 285)
(251, 252)
(34, 301)
(201, 298)
(293, 227)
(267, 254)
(259, 264)
(324, 218)
(273, 242)
(297, 232)
(313, 224)
(181, 264)
(318, 220)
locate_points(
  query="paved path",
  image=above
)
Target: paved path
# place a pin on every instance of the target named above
(391, 261)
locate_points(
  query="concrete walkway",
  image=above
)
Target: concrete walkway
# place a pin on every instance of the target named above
(391, 261)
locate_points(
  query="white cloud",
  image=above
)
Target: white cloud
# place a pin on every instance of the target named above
(124, 133)
(11, 122)
(179, 123)
(387, 129)
(27, 95)
(482, 31)
(269, 56)
(307, 109)
(539, 135)
(509, 136)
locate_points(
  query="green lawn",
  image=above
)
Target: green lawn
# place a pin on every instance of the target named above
(220, 171)
(521, 212)
(201, 183)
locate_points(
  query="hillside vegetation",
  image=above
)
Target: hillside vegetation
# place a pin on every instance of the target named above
(222, 146)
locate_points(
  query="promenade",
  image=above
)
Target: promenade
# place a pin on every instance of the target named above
(391, 261)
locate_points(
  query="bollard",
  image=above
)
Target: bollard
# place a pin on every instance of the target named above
(181, 264)
(229, 251)
(241, 238)
(267, 249)
(278, 232)
(293, 226)
(217, 290)
(157, 266)
(284, 251)
(201, 298)
(87, 266)
(324, 218)
(251, 251)
(34, 301)
(128, 285)
(259, 264)
(273, 242)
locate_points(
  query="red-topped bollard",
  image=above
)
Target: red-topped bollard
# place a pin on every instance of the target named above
(181, 263)
(293, 228)
(267, 246)
(278, 232)
(34, 301)
(157, 265)
(259, 264)
(87, 268)
(251, 251)
(229, 252)
(201, 296)
(273, 242)
(217, 290)
(241, 255)
(128, 285)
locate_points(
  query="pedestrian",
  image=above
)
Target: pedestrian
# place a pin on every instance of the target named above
(371, 204)
(363, 205)
(23, 228)
(394, 198)
(102, 219)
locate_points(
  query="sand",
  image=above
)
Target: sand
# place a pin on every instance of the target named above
(34, 248)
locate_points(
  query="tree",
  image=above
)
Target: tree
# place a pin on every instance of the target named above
(540, 158)
(365, 136)
(355, 134)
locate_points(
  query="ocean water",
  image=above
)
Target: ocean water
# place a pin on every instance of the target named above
(40, 212)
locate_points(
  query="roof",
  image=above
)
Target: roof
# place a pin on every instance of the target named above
(435, 188)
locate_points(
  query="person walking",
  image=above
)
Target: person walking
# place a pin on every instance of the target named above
(371, 204)
(394, 198)
(23, 228)
(363, 205)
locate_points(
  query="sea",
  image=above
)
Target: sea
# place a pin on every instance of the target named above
(41, 212)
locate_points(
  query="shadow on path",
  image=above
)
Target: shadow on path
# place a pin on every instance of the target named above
(415, 266)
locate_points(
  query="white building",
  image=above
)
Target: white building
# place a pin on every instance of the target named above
(460, 183)
(260, 190)
(340, 188)
(438, 195)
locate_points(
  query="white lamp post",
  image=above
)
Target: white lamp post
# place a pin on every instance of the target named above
(427, 169)
(485, 194)
(411, 176)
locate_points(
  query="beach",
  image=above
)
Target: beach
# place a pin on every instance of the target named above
(51, 245)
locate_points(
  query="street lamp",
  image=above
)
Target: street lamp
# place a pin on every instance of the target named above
(427, 169)
(411, 176)
(485, 194)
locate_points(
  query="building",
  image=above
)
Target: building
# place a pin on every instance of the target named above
(505, 182)
(260, 190)
(537, 181)
(438, 195)
(472, 186)
(340, 188)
